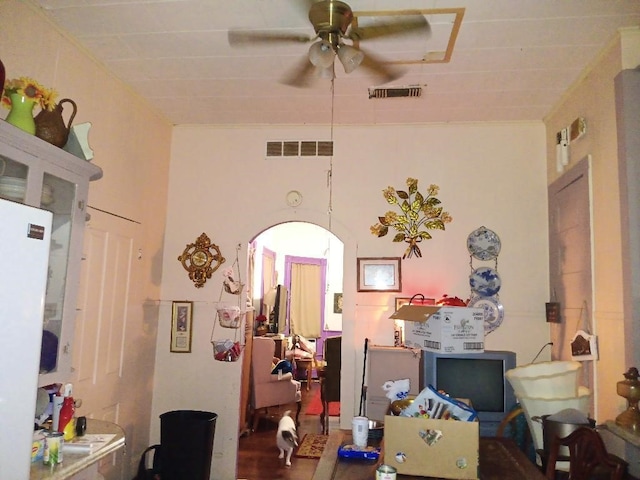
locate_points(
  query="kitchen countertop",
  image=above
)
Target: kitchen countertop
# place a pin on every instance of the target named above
(73, 463)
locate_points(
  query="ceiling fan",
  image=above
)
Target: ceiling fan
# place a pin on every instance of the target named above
(332, 22)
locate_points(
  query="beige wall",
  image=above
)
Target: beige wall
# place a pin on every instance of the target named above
(131, 144)
(492, 175)
(594, 99)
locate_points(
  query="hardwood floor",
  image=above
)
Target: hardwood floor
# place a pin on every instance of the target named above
(258, 454)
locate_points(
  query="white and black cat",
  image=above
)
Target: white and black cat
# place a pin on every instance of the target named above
(287, 437)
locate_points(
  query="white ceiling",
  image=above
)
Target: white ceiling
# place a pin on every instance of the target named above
(512, 60)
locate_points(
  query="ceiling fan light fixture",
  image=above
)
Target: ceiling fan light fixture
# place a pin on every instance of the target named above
(350, 57)
(321, 54)
(326, 73)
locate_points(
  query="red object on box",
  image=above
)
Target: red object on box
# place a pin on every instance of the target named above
(451, 301)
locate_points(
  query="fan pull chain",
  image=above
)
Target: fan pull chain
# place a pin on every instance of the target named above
(330, 172)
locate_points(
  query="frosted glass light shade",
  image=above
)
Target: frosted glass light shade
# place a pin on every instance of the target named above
(326, 73)
(350, 57)
(321, 54)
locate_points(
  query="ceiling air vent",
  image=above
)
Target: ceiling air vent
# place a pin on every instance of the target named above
(395, 92)
(300, 149)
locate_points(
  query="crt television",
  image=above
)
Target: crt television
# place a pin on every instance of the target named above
(479, 377)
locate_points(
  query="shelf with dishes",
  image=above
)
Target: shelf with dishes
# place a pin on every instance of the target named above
(36, 173)
(15, 188)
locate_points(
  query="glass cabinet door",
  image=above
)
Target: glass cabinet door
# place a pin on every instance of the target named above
(39, 174)
(13, 180)
(58, 196)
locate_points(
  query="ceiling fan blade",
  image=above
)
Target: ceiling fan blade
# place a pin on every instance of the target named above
(301, 75)
(384, 72)
(239, 38)
(403, 25)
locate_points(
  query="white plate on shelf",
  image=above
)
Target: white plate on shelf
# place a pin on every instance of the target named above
(493, 311)
(483, 244)
(14, 188)
(485, 281)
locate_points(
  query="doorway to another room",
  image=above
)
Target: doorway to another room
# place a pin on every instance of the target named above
(297, 280)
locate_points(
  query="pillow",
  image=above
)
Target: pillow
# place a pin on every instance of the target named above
(284, 365)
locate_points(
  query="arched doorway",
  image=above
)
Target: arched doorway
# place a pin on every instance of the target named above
(275, 247)
(299, 244)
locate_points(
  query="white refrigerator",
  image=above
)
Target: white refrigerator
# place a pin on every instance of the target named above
(25, 235)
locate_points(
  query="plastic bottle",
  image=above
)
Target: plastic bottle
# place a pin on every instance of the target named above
(58, 400)
(66, 423)
(66, 413)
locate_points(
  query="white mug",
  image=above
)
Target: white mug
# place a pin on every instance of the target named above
(360, 431)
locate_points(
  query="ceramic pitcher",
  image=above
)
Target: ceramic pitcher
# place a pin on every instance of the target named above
(50, 125)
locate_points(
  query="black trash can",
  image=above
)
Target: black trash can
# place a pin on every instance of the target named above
(186, 439)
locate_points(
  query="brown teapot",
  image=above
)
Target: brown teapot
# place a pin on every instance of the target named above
(50, 125)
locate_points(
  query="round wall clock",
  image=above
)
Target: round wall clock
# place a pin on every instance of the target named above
(201, 259)
(294, 198)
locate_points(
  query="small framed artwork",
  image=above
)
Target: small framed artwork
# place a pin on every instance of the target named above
(337, 302)
(181, 327)
(400, 301)
(379, 274)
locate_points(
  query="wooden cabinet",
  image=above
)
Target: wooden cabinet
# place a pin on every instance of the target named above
(39, 174)
(389, 363)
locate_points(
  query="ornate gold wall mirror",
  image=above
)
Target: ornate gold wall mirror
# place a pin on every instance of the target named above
(201, 259)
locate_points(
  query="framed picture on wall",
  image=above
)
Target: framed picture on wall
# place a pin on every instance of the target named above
(181, 327)
(337, 302)
(379, 274)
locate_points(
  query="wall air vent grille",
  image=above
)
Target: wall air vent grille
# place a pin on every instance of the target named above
(395, 92)
(300, 149)
(325, 149)
(274, 149)
(291, 149)
(308, 149)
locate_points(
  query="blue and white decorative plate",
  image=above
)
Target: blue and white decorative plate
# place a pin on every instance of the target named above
(483, 244)
(493, 311)
(485, 282)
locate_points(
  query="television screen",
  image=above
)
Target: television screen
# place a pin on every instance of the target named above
(479, 380)
(479, 377)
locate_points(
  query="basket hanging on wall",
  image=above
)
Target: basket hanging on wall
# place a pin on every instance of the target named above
(229, 316)
(584, 345)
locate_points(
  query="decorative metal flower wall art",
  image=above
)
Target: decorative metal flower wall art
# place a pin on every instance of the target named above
(418, 214)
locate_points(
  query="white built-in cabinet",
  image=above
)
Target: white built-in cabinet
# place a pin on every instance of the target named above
(39, 174)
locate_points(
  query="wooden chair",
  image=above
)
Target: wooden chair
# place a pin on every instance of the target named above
(508, 420)
(588, 457)
(330, 386)
(514, 425)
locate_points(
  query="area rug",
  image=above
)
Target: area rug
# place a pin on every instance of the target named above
(312, 445)
(315, 406)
